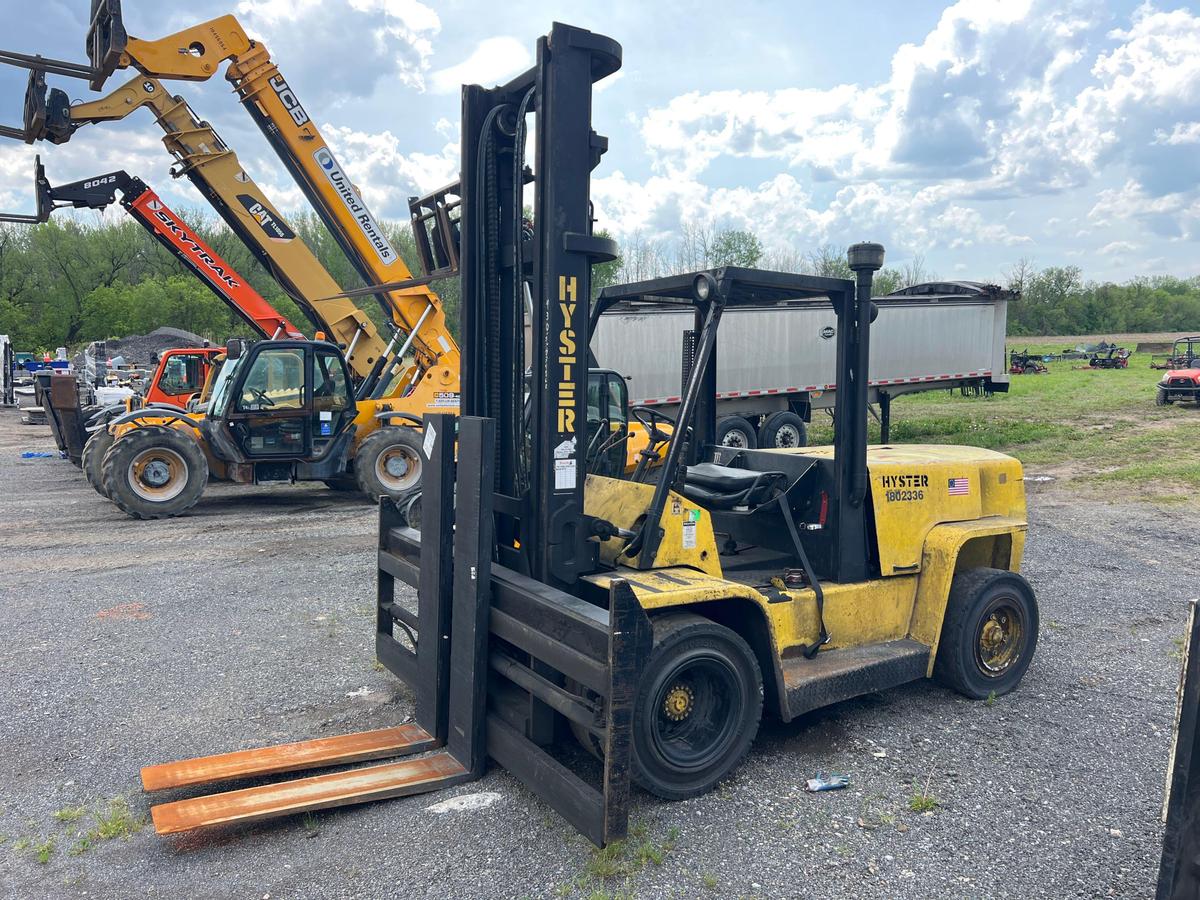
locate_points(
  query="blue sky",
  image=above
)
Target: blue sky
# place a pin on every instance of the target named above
(973, 133)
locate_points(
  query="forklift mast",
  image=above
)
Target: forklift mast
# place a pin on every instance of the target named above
(180, 239)
(194, 54)
(541, 442)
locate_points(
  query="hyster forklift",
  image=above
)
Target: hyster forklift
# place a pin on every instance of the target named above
(653, 618)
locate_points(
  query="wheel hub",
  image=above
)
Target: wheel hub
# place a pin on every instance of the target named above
(677, 705)
(157, 473)
(999, 638)
(396, 465)
(787, 436)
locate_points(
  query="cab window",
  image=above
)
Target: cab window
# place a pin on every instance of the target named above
(275, 381)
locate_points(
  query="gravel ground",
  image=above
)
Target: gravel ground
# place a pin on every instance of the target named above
(250, 621)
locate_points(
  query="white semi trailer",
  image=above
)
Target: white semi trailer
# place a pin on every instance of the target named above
(775, 365)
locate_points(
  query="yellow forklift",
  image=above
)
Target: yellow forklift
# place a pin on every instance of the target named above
(656, 618)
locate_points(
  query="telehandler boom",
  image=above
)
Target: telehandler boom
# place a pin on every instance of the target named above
(195, 54)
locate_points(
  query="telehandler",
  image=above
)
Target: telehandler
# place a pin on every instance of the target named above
(656, 619)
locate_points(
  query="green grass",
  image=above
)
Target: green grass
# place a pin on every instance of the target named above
(619, 862)
(70, 813)
(1097, 430)
(922, 802)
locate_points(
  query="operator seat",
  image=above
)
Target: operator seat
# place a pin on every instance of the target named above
(715, 486)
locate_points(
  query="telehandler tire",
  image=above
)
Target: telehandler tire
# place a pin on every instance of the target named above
(697, 709)
(155, 472)
(989, 633)
(390, 462)
(93, 458)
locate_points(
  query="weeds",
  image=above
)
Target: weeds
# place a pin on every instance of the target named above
(70, 813)
(621, 860)
(991, 700)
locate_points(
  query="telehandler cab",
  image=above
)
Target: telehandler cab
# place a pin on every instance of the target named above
(655, 620)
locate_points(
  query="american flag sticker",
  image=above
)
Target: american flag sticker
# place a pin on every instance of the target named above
(959, 487)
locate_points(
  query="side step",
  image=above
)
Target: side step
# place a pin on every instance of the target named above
(333, 751)
(410, 776)
(836, 675)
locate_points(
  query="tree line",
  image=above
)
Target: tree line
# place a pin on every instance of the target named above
(76, 279)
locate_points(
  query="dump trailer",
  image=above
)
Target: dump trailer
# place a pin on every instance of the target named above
(777, 362)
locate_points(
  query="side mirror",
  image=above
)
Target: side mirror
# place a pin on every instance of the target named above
(234, 348)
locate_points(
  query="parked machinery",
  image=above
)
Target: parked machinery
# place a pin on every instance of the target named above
(657, 620)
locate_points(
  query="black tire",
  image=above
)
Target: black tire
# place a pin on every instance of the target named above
(1160, 398)
(1030, 369)
(783, 429)
(154, 472)
(734, 431)
(390, 463)
(989, 634)
(92, 460)
(711, 671)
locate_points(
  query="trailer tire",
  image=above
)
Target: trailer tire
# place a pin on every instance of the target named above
(783, 429)
(989, 634)
(173, 472)
(697, 709)
(390, 462)
(734, 431)
(92, 461)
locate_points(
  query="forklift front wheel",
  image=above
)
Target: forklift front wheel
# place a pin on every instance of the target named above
(989, 633)
(389, 462)
(698, 707)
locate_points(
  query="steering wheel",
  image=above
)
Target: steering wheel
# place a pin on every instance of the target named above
(261, 396)
(649, 417)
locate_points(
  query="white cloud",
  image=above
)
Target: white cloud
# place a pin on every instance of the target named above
(1003, 99)
(492, 60)
(350, 47)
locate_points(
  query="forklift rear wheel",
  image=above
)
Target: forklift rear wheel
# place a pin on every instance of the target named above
(734, 431)
(389, 462)
(697, 709)
(989, 633)
(93, 458)
(783, 429)
(154, 472)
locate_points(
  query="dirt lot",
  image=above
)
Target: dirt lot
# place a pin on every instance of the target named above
(249, 621)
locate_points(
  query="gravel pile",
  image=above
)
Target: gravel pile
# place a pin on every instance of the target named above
(250, 621)
(137, 349)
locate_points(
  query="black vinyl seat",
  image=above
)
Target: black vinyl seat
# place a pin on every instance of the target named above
(715, 486)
